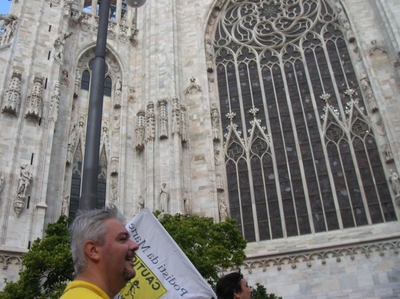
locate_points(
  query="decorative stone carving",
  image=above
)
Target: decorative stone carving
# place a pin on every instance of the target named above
(184, 137)
(187, 203)
(193, 87)
(223, 211)
(219, 183)
(345, 23)
(209, 56)
(176, 116)
(78, 81)
(394, 180)
(164, 198)
(65, 206)
(118, 93)
(59, 46)
(54, 103)
(114, 165)
(64, 78)
(140, 130)
(9, 26)
(150, 119)
(12, 96)
(366, 87)
(215, 122)
(24, 182)
(35, 102)
(162, 104)
(1, 182)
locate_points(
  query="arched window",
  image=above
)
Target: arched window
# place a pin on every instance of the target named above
(76, 181)
(301, 155)
(85, 80)
(107, 86)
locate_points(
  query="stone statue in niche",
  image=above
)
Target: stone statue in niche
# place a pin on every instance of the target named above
(184, 137)
(73, 134)
(1, 182)
(387, 153)
(164, 198)
(12, 96)
(209, 56)
(9, 26)
(35, 101)
(118, 93)
(215, 122)
(114, 189)
(140, 130)
(186, 203)
(150, 119)
(366, 86)
(394, 180)
(64, 206)
(54, 104)
(223, 211)
(59, 45)
(24, 181)
(345, 23)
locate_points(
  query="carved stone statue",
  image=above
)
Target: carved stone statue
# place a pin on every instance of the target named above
(394, 180)
(387, 153)
(162, 105)
(186, 203)
(73, 134)
(164, 198)
(140, 130)
(8, 24)
(118, 93)
(366, 86)
(114, 189)
(24, 181)
(64, 206)
(215, 122)
(1, 182)
(223, 211)
(59, 45)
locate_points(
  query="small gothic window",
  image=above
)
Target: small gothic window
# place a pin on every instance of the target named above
(85, 80)
(107, 86)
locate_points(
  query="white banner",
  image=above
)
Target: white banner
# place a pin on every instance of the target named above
(162, 269)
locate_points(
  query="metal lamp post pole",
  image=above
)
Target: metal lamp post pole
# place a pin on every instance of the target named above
(88, 198)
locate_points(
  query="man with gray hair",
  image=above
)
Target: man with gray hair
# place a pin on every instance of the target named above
(102, 252)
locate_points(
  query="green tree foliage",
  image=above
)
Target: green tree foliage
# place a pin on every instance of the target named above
(208, 245)
(47, 266)
(260, 292)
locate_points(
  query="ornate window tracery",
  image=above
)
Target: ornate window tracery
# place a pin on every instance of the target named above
(300, 152)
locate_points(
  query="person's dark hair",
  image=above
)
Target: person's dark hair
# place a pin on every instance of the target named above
(228, 285)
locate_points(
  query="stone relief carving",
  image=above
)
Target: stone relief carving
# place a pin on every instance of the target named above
(164, 198)
(209, 56)
(64, 78)
(150, 119)
(35, 101)
(54, 103)
(78, 80)
(163, 115)
(187, 208)
(193, 87)
(2, 182)
(12, 96)
(387, 153)
(9, 26)
(8, 259)
(59, 43)
(140, 130)
(215, 122)
(24, 182)
(184, 137)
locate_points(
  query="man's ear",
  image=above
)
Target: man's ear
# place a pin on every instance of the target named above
(92, 250)
(236, 295)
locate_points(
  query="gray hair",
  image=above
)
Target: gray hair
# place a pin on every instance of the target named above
(89, 225)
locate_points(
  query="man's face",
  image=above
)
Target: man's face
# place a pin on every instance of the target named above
(117, 253)
(246, 290)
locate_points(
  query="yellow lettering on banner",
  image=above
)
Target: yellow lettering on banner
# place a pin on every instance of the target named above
(145, 285)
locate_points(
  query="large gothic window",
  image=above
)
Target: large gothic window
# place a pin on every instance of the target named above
(301, 154)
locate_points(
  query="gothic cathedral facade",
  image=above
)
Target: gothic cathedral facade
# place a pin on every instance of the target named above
(282, 114)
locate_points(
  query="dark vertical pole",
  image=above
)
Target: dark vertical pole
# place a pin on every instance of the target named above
(88, 199)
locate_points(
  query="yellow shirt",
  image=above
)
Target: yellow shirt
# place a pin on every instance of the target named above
(79, 289)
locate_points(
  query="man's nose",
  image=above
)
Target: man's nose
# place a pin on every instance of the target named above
(133, 246)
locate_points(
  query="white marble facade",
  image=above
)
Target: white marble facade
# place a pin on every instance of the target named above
(160, 127)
